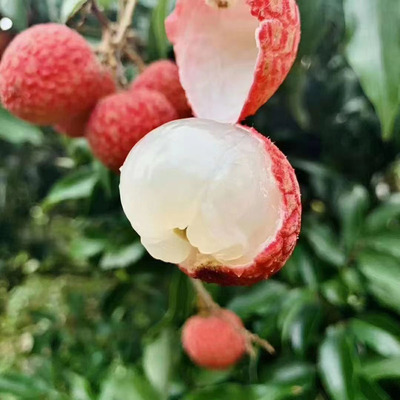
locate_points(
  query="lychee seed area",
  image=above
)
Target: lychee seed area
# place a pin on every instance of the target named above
(202, 193)
(225, 55)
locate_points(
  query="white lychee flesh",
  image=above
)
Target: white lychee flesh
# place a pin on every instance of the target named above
(201, 192)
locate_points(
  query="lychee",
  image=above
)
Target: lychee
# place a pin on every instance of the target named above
(120, 120)
(48, 73)
(215, 341)
(219, 200)
(233, 54)
(163, 76)
(75, 125)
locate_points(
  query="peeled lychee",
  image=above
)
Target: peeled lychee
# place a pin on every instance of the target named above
(219, 200)
(215, 341)
(75, 125)
(48, 73)
(163, 76)
(120, 120)
(233, 54)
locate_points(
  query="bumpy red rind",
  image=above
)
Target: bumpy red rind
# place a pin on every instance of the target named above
(274, 257)
(47, 73)
(278, 38)
(75, 125)
(214, 341)
(163, 76)
(120, 120)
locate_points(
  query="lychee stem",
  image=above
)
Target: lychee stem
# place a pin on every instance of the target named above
(104, 21)
(207, 302)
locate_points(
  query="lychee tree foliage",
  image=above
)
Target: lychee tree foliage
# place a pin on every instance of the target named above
(88, 314)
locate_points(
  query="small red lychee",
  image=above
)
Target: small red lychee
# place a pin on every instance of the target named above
(120, 120)
(215, 341)
(163, 76)
(233, 54)
(75, 125)
(48, 73)
(219, 200)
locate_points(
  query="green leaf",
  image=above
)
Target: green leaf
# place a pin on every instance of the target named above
(388, 368)
(70, 8)
(352, 206)
(158, 42)
(375, 337)
(385, 243)
(258, 299)
(380, 218)
(122, 257)
(335, 291)
(373, 51)
(77, 185)
(336, 365)
(16, 131)
(80, 388)
(301, 325)
(232, 391)
(383, 277)
(17, 11)
(324, 243)
(126, 384)
(372, 391)
(23, 386)
(158, 361)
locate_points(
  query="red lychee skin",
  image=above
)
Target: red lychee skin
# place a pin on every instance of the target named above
(214, 341)
(163, 76)
(274, 257)
(49, 72)
(120, 120)
(75, 125)
(278, 38)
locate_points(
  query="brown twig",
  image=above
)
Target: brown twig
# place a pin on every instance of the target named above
(135, 58)
(104, 21)
(206, 300)
(124, 22)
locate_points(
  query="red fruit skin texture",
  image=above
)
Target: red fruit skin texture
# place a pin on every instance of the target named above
(163, 76)
(120, 120)
(214, 341)
(279, 38)
(274, 256)
(47, 73)
(75, 125)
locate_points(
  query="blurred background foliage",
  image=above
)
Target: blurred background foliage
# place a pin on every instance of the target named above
(86, 314)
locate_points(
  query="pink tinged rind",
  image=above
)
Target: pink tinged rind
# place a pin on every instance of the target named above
(275, 255)
(277, 38)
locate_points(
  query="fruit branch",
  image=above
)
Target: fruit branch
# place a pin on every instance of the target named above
(104, 21)
(207, 303)
(125, 21)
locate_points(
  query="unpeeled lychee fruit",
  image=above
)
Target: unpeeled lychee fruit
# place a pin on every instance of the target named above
(75, 125)
(215, 341)
(163, 76)
(120, 120)
(48, 73)
(233, 54)
(219, 200)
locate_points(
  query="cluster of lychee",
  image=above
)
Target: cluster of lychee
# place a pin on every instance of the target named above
(206, 193)
(49, 75)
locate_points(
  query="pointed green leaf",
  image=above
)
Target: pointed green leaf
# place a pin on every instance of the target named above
(373, 51)
(388, 368)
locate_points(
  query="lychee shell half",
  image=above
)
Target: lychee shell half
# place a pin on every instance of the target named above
(214, 341)
(48, 73)
(163, 76)
(233, 54)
